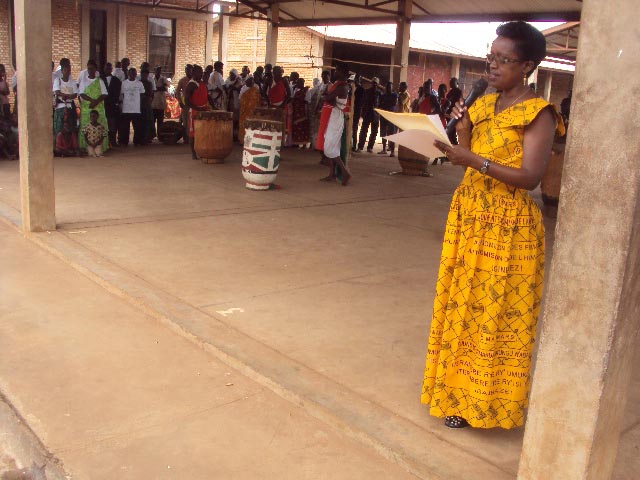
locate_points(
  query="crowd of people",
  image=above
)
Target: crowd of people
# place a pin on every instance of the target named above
(96, 110)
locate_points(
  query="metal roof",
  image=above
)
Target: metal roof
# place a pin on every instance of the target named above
(562, 41)
(344, 12)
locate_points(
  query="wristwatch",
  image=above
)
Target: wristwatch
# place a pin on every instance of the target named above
(485, 167)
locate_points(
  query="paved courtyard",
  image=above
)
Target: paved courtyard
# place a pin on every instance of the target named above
(315, 298)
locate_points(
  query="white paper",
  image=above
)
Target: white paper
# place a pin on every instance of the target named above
(419, 132)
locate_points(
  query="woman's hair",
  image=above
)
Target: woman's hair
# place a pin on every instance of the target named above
(529, 41)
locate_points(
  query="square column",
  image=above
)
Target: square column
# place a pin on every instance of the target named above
(33, 58)
(273, 18)
(590, 322)
(208, 48)
(547, 85)
(400, 54)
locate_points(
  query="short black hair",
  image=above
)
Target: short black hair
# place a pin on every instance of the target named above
(92, 62)
(218, 64)
(94, 111)
(343, 67)
(529, 41)
(65, 61)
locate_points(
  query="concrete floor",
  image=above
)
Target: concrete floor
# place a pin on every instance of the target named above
(319, 292)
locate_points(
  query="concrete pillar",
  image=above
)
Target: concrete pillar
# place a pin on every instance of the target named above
(223, 36)
(33, 38)
(112, 33)
(208, 48)
(400, 55)
(591, 310)
(122, 32)
(455, 67)
(547, 85)
(271, 55)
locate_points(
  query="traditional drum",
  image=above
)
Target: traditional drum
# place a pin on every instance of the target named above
(412, 163)
(213, 135)
(170, 132)
(265, 113)
(552, 178)
(261, 154)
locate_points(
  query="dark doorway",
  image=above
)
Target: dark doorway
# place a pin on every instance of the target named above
(98, 37)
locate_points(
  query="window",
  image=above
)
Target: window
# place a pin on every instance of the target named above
(162, 44)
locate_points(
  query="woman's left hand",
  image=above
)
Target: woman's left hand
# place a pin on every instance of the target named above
(456, 154)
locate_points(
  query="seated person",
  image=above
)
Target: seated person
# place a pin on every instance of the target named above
(66, 143)
(94, 133)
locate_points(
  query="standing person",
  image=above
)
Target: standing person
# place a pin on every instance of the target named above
(4, 94)
(159, 102)
(196, 98)
(404, 99)
(245, 73)
(94, 135)
(112, 103)
(147, 110)
(330, 135)
(249, 100)
(428, 103)
(299, 121)
(316, 105)
(93, 93)
(216, 86)
(232, 87)
(208, 70)
(131, 94)
(565, 108)
(357, 111)
(184, 111)
(442, 101)
(65, 90)
(370, 101)
(121, 72)
(258, 75)
(490, 279)
(278, 93)
(388, 102)
(454, 95)
(414, 104)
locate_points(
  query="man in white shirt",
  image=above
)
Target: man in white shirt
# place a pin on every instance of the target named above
(131, 94)
(120, 72)
(216, 86)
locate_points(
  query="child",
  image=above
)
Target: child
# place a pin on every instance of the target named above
(94, 133)
(66, 142)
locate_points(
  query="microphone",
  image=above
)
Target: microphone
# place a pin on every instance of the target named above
(479, 86)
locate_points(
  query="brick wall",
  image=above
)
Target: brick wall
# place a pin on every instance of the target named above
(190, 44)
(246, 42)
(5, 34)
(137, 32)
(66, 18)
(428, 66)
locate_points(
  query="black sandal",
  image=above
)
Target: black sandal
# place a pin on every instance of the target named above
(455, 422)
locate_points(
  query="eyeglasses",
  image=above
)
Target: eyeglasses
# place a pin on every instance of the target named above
(500, 60)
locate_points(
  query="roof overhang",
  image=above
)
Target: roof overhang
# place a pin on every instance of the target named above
(353, 12)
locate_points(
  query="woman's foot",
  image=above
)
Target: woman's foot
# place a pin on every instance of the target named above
(328, 178)
(455, 422)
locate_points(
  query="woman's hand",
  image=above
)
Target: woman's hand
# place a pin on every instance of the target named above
(460, 112)
(457, 154)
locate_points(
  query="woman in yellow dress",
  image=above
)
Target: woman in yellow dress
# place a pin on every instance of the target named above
(490, 277)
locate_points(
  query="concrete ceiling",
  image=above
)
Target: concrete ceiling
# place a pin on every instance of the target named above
(344, 12)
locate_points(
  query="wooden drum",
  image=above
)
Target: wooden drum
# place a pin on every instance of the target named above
(412, 163)
(265, 113)
(552, 178)
(213, 135)
(261, 154)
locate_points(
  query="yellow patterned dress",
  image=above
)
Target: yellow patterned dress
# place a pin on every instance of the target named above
(489, 283)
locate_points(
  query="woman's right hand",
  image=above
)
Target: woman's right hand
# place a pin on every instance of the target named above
(460, 112)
